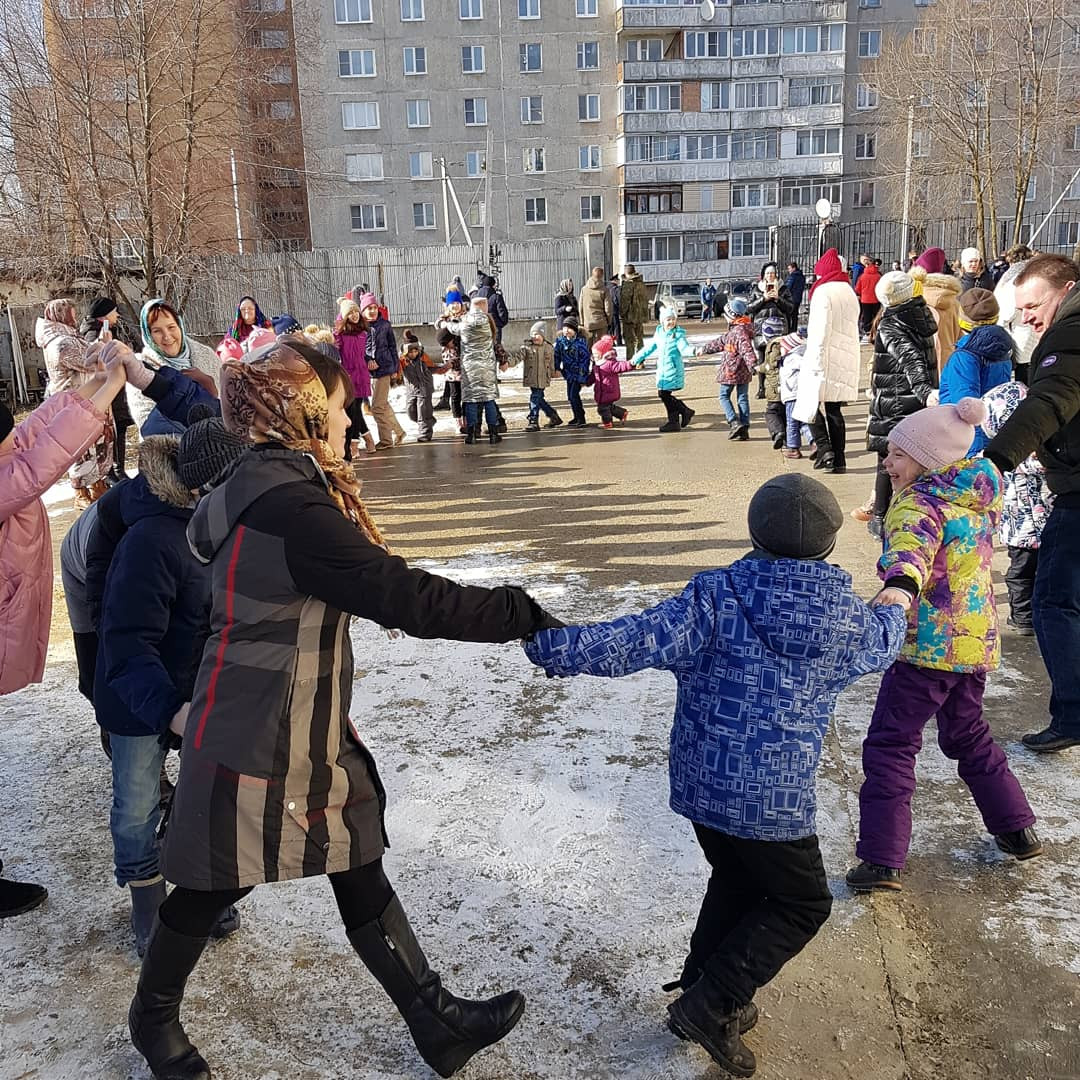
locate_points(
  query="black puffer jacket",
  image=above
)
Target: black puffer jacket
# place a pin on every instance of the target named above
(761, 307)
(905, 368)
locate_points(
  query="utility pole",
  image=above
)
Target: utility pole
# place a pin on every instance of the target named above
(236, 203)
(907, 179)
(445, 200)
(487, 198)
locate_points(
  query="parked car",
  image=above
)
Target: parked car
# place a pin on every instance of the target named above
(683, 296)
(728, 289)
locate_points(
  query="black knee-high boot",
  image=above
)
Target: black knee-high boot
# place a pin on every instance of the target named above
(447, 1030)
(154, 1016)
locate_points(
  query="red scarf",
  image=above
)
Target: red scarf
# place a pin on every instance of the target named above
(828, 268)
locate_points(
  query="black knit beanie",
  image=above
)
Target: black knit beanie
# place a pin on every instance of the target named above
(102, 306)
(206, 449)
(794, 517)
(7, 421)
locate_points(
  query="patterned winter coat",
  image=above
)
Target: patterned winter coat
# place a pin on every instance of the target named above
(1026, 499)
(573, 358)
(939, 534)
(275, 780)
(65, 355)
(759, 650)
(669, 347)
(479, 381)
(738, 358)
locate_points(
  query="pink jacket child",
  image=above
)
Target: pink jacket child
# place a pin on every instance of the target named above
(351, 342)
(33, 456)
(605, 379)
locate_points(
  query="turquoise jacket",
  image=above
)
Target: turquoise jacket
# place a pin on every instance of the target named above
(670, 346)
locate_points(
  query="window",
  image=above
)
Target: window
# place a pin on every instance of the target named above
(747, 42)
(421, 166)
(586, 9)
(471, 9)
(588, 107)
(706, 247)
(477, 213)
(472, 59)
(799, 40)
(653, 202)
(869, 44)
(816, 141)
(864, 193)
(528, 9)
(588, 55)
(280, 110)
(876, 3)
(920, 191)
(268, 7)
(279, 74)
(715, 96)
(359, 115)
(926, 94)
(423, 215)
(368, 217)
(1031, 187)
(536, 211)
(1068, 233)
(647, 249)
(924, 41)
(352, 11)
(756, 95)
(816, 90)
(475, 163)
(866, 96)
(805, 191)
(703, 44)
(920, 144)
(532, 110)
(865, 147)
(270, 39)
(532, 159)
(592, 207)
(705, 147)
(356, 63)
(530, 57)
(638, 49)
(644, 148)
(652, 97)
(749, 242)
(589, 158)
(754, 194)
(475, 112)
(1075, 137)
(976, 94)
(415, 60)
(980, 40)
(412, 10)
(755, 145)
(359, 167)
(418, 113)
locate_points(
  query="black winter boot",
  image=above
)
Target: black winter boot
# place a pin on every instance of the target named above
(472, 432)
(447, 1030)
(493, 434)
(748, 1014)
(19, 897)
(703, 1015)
(154, 1016)
(146, 898)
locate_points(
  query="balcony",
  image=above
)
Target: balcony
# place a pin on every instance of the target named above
(831, 165)
(677, 172)
(686, 221)
(794, 13)
(674, 70)
(651, 123)
(634, 17)
(762, 67)
(806, 116)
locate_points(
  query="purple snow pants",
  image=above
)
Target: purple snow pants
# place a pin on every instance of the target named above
(909, 697)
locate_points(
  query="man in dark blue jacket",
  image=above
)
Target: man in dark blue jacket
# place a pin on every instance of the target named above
(796, 284)
(154, 620)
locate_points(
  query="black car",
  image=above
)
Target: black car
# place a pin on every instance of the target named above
(729, 289)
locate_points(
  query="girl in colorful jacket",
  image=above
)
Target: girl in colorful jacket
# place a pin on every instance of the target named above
(939, 546)
(670, 346)
(738, 361)
(605, 375)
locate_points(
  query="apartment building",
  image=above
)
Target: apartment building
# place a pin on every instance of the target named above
(515, 100)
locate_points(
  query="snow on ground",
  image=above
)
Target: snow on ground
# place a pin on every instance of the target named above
(532, 846)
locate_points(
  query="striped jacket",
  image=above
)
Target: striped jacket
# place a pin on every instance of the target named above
(275, 782)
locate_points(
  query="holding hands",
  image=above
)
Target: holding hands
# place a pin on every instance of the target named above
(892, 595)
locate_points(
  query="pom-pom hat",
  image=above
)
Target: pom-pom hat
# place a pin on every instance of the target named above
(941, 434)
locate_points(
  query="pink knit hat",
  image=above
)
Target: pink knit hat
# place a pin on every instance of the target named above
(604, 347)
(790, 342)
(366, 300)
(941, 434)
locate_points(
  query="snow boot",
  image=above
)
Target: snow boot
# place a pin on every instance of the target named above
(554, 421)
(493, 435)
(872, 877)
(743, 433)
(703, 1015)
(748, 1014)
(688, 414)
(1022, 844)
(154, 1016)
(19, 897)
(733, 429)
(532, 425)
(146, 898)
(227, 925)
(472, 433)
(671, 425)
(447, 1030)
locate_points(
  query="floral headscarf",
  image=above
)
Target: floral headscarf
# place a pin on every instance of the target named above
(240, 329)
(275, 393)
(61, 311)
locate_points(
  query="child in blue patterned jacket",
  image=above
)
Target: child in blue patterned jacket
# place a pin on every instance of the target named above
(760, 650)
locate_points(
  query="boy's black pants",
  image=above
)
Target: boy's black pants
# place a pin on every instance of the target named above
(1020, 581)
(766, 899)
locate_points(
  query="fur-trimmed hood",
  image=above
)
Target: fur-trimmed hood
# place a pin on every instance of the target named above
(942, 291)
(158, 468)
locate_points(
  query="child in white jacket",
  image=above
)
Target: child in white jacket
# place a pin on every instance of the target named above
(792, 348)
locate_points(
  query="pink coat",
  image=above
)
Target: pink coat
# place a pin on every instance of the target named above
(45, 444)
(353, 359)
(606, 388)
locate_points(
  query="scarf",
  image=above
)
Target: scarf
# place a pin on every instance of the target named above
(828, 268)
(240, 329)
(276, 394)
(182, 361)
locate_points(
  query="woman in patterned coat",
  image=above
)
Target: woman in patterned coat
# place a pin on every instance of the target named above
(276, 782)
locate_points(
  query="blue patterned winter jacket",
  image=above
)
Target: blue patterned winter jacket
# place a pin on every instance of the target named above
(760, 650)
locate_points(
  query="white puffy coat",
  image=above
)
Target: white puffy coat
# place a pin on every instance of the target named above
(830, 367)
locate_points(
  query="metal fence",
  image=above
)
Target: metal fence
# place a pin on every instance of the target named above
(411, 281)
(886, 239)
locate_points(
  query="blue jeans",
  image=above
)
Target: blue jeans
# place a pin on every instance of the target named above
(1056, 616)
(742, 395)
(473, 415)
(794, 429)
(133, 821)
(573, 395)
(538, 404)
